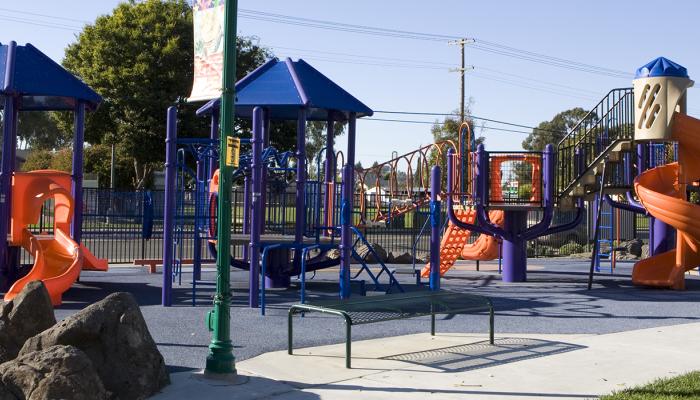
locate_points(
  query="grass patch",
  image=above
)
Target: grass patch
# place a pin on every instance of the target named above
(686, 386)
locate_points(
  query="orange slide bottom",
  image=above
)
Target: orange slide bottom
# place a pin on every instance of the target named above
(662, 191)
(454, 243)
(58, 259)
(57, 263)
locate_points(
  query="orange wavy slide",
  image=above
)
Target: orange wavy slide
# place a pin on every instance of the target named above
(58, 259)
(454, 242)
(662, 191)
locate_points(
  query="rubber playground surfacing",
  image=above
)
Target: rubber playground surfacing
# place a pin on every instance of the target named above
(553, 300)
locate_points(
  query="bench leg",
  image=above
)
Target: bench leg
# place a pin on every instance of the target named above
(348, 342)
(290, 344)
(152, 269)
(491, 325)
(432, 324)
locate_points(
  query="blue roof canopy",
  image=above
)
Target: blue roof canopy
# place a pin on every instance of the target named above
(285, 87)
(661, 66)
(41, 83)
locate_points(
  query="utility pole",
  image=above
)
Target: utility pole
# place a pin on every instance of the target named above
(461, 70)
(461, 163)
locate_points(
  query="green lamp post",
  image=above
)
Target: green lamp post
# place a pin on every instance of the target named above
(220, 359)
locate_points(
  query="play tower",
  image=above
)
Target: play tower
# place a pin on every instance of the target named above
(660, 116)
(30, 82)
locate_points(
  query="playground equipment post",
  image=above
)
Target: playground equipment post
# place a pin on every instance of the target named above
(220, 359)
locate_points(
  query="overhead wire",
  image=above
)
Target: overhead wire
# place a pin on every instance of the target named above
(407, 121)
(470, 116)
(483, 45)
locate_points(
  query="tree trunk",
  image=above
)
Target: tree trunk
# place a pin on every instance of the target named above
(142, 173)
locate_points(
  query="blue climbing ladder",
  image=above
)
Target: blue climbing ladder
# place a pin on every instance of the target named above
(606, 238)
(362, 259)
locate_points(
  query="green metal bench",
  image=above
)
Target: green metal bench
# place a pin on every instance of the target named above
(366, 310)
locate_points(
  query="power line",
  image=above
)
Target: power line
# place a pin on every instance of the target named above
(46, 24)
(483, 45)
(407, 63)
(443, 64)
(407, 121)
(471, 116)
(42, 15)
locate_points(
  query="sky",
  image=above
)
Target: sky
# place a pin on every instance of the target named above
(391, 73)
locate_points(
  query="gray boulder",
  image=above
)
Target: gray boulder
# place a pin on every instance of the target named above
(58, 372)
(403, 258)
(114, 336)
(633, 246)
(645, 251)
(28, 314)
(364, 252)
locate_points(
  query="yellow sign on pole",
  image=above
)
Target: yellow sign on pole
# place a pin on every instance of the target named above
(233, 151)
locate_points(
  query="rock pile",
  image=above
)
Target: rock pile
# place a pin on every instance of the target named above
(104, 351)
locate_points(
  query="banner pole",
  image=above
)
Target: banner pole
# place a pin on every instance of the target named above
(220, 359)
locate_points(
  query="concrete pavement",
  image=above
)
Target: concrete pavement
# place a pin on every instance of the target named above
(460, 366)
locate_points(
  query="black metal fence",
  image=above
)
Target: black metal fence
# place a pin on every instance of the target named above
(119, 227)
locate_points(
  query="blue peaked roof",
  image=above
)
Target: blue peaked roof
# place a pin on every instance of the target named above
(42, 84)
(661, 66)
(284, 87)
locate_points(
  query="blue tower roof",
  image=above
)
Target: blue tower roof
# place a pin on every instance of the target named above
(284, 87)
(42, 84)
(661, 66)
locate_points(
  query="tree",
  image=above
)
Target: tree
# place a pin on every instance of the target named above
(139, 58)
(554, 130)
(316, 139)
(60, 160)
(37, 159)
(38, 130)
(448, 129)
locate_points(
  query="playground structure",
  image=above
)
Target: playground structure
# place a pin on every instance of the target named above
(487, 193)
(32, 82)
(278, 243)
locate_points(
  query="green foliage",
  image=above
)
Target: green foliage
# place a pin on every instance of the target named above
(140, 59)
(97, 160)
(554, 130)
(60, 160)
(37, 159)
(525, 191)
(316, 139)
(40, 131)
(686, 386)
(448, 129)
(571, 248)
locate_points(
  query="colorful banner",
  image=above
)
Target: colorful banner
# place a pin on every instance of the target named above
(208, 18)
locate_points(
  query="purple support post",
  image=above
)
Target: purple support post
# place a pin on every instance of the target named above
(6, 188)
(301, 182)
(214, 135)
(352, 133)
(514, 248)
(7, 168)
(265, 128)
(169, 207)
(246, 214)
(435, 228)
(345, 233)
(199, 202)
(329, 179)
(77, 173)
(256, 208)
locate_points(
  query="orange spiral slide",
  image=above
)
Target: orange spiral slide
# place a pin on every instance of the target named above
(454, 242)
(662, 191)
(58, 259)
